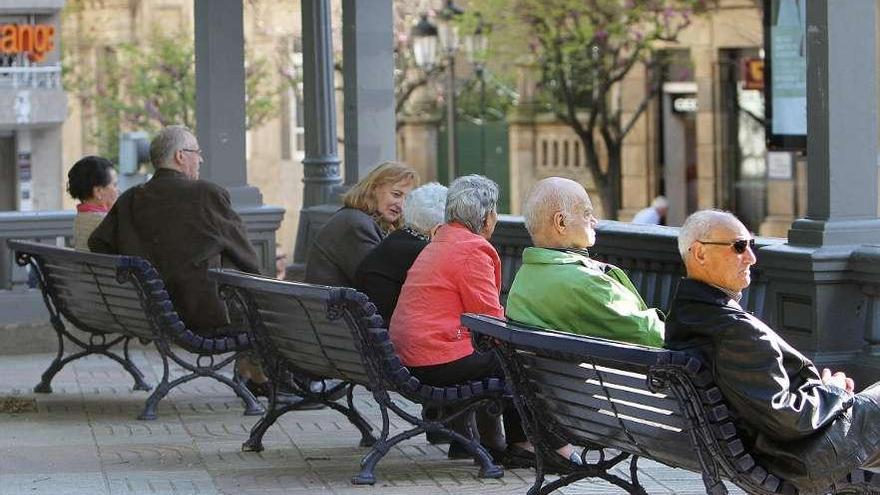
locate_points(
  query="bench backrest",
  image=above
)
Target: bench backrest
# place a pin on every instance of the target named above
(636, 399)
(93, 291)
(104, 294)
(647, 253)
(313, 328)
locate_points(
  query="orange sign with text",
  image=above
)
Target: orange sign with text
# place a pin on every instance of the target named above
(753, 73)
(35, 40)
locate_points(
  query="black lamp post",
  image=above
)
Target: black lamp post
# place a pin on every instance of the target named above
(425, 38)
(475, 46)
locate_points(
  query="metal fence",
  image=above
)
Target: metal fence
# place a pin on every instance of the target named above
(43, 77)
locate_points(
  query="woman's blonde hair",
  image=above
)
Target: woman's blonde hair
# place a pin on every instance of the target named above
(362, 195)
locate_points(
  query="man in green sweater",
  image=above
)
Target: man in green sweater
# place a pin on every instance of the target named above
(559, 287)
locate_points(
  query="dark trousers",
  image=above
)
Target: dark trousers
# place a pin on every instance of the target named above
(474, 367)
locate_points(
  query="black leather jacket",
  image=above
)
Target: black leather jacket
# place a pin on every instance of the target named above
(811, 433)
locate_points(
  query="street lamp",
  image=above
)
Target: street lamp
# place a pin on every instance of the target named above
(425, 39)
(424, 44)
(449, 44)
(475, 46)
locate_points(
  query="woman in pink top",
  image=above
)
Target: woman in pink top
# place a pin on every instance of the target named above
(458, 272)
(92, 181)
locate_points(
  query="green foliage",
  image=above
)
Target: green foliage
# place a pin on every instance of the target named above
(583, 50)
(146, 86)
(492, 102)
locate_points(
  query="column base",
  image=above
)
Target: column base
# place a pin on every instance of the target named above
(807, 232)
(775, 226)
(245, 196)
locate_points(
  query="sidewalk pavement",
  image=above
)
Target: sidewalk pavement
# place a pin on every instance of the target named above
(84, 439)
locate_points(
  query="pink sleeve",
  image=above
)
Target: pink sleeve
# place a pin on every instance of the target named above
(479, 285)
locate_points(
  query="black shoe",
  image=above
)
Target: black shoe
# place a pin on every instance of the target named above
(517, 457)
(258, 389)
(435, 438)
(456, 451)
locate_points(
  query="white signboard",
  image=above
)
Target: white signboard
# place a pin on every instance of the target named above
(779, 165)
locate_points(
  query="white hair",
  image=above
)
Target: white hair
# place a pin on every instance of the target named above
(547, 197)
(167, 143)
(424, 208)
(470, 200)
(660, 202)
(699, 226)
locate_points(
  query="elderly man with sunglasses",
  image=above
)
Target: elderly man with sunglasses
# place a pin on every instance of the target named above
(804, 424)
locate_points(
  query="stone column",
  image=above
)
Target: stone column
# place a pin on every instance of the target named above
(220, 114)
(321, 163)
(220, 117)
(813, 298)
(369, 86)
(419, 137)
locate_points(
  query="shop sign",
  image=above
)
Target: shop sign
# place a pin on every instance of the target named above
(753, 73)
(685, 104)
(33, 40)
(779, 165)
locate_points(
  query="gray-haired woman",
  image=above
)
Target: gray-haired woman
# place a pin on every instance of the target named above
(383, 271)
(458, 272)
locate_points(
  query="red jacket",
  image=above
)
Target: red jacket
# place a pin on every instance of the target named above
(458, 272)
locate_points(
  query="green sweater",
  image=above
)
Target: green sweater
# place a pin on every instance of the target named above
(567, 291)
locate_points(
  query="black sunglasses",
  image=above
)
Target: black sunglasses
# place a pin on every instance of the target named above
(739, 245)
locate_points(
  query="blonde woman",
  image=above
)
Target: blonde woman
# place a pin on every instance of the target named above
(372, 209)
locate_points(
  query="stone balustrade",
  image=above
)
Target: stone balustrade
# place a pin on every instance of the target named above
(56, 227)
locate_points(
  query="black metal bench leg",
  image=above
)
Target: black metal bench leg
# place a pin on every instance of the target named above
(380, 447)
(139, 381)
(45, 385)
(367, 438)
(254, 443)
(162, 389)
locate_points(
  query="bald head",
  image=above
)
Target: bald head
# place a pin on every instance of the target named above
(558, 214)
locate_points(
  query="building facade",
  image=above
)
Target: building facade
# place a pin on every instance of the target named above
(33, 104)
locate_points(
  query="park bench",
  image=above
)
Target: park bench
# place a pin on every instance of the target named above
(310, 333)
(114, 299)
(622, 402)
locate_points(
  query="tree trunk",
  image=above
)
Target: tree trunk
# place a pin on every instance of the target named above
(611, 192)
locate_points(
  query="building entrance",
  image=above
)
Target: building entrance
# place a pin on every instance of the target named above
(8, 177)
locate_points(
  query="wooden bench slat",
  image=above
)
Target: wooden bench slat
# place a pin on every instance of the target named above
(631, 378)
(113, 296)
(597, 401)
(72, 268)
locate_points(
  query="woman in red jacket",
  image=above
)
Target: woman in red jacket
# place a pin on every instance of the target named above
(458, 272)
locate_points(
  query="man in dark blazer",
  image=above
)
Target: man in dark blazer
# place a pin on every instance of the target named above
(183, 226)
(806, 425)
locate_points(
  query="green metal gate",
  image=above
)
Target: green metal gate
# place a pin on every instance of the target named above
(482, 149)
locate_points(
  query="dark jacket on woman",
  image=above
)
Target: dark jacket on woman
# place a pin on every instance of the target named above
(383, 271)
(183, 227)
(340, 246)
(811, 433)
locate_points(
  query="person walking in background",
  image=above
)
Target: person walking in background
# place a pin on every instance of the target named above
(371, 210)
(91, 181)
(654, 214)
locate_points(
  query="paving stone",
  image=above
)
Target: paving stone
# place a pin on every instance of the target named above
(84, 439)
